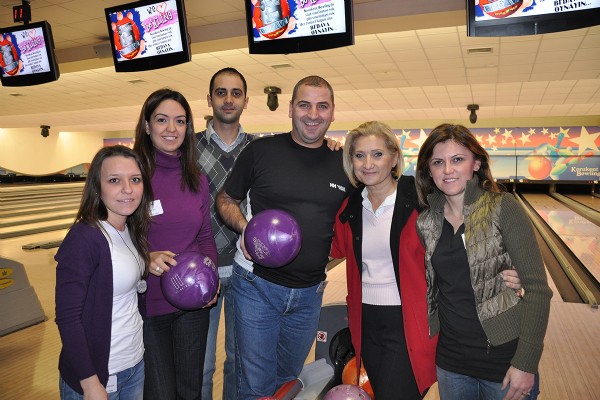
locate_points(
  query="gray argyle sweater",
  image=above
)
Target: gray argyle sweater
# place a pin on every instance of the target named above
(216, 163)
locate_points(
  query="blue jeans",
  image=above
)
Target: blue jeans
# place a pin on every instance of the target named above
(453, 386)
(210, 359)
(130, 385)
(175, 346)
(275, 328)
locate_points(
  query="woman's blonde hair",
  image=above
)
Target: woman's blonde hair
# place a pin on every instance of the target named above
(371, 128)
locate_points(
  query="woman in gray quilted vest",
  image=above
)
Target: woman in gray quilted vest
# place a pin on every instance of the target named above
(490, 339)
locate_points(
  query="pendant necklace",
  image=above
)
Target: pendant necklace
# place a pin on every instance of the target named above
(141, 285)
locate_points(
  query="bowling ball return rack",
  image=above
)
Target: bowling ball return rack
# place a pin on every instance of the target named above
(332, 350)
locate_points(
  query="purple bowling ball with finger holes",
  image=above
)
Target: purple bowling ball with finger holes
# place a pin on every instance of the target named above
(192, 283)
(273, 238)
(346, 392)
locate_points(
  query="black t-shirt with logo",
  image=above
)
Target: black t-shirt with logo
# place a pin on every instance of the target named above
(309, 183)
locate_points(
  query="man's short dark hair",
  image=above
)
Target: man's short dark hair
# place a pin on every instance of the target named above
(314, 81)
(231, 71)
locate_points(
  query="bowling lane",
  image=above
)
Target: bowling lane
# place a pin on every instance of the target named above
(580, 235)
(23, 204)
(588, 200)
(6, 222)
(35, 227)
(39, 209)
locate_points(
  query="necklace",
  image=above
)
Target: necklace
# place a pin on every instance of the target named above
(141, 284)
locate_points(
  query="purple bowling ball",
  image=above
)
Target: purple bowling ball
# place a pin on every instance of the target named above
(273, 238)
(192, 283)
(346, 392)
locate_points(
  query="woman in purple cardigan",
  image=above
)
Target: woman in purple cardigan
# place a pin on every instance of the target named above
(101, 263)
(175, 340)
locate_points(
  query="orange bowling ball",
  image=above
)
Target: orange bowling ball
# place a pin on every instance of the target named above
(539, 167)
(349, 377)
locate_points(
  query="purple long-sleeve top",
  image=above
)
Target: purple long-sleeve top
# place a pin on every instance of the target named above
(183, 225)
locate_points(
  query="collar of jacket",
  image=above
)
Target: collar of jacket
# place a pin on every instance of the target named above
(405, 198)
(406, 202)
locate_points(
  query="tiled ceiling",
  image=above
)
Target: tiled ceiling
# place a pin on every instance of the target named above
(423, 71)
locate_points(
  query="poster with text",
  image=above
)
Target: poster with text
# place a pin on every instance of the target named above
(486, 10)
(146, 31)
(23, 52)
(279, 19)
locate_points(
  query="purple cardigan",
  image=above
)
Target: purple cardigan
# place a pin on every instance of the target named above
(84, 298)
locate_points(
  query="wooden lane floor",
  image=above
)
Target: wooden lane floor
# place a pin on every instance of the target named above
(31, 218)
(13, 189)
(28, 358)
(580, 235)
(588, 200)
(31, 209)
(36, 227)
(39, 208)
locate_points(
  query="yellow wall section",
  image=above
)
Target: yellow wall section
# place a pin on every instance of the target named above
(25, 151)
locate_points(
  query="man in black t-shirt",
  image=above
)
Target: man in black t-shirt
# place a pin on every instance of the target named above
(277, 309)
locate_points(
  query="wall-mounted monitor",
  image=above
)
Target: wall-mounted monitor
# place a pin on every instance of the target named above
(529, 17)
(296, 26)
(27, 55)
(147, 35)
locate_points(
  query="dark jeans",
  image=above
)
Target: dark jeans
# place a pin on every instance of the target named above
(174, 356)
(384, 354)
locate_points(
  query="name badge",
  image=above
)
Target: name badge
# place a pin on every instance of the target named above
(156, 208)
(111, 386)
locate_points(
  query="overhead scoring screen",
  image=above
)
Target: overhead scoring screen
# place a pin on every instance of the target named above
(23, 52)
(293, 26)
(273, 19)
(146, 31)
(27, 55)
(493, 9)
(529, 17)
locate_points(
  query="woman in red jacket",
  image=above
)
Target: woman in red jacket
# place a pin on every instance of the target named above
(375, 230)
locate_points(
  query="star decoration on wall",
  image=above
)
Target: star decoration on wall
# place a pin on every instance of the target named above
(524, 138)
(586, 141)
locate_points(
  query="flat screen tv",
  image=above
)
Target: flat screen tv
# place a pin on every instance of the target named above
(529, 17)
(147, 35)
(27, 55)
(296, 26)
